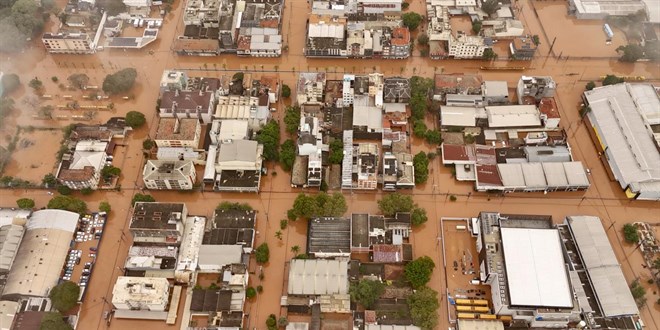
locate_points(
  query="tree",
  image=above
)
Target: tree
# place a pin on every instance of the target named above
(271, 322)
(421, 165)
(6, 106)
(49, 180)
(12, 39)
(292, 119)
(631, 53)
(489, 54)
(269, 137)
(147, 144)
(64, 190)
(490, 6)
(286, 91)
(590, 85)
(67, 203)
(423, 39)
(142, 198)
(54, 321)
(366, 292)
(418, 216)
(135, 119)
(113, 7)
(78, 80)
(656, 263)
(476, 27)
(282, 322)
(10, 82)
(278, 235)
(36, 84)
(105, 207)
(405, 5)
(630, 233)
(238, 76)
(284, 223)
(64, 296)
(423, 305)
(418, 272)
(234, 206)
(262, 253)
(110, 171)
(319, 205)
(411, 20)
(433, 136)
(419, 128)
(25, 18)
(638, 292)
(394, 203)
(287, 154)
(295, 249)
(336, 152)
(25, 203)
(86, 191)
(250, 292)
(611, 79)
(120, 81)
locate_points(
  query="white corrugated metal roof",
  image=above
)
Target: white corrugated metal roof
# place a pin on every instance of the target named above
(457, 116)
(533, 174)
(609, 284)
(318, 277)
(513, 116)
(535, 268)
(633, 156)
(511, 175)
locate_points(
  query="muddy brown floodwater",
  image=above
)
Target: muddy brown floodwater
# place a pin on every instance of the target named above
(604, 199)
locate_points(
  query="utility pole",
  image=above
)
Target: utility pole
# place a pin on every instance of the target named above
(552, 45)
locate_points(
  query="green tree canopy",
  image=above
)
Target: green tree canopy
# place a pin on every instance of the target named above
(142, 198)
(25, 16)
(67, 203)
(12, 39)
(424, 306)
(109, 171)
(113, 7)
(366, 292)
(120, 81)
(288, 155)
(105, 207)
(10, 82)
(630, 233)
(419, 128)
(262, 253)
(135, 119)
(78, 80)
(49, 180)
(476, 27)
(269, 137)
(489, 54)
(336, 152)
(391, 204)
(630, 52)
(64, 190)
(64, 296)
(234, 206)
(25, 203)
(411, 20)
(418, 272)
(250, 292)
(418, 216)
(286, 91)
(490, 6)
(590, 85)
(611, 79)
(433, 136)
(423, 39)
(54, 321)
(292, 119)
(147, 144)
(319, 205)
(421, 165)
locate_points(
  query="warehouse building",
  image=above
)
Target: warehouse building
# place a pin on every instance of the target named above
(623, 118)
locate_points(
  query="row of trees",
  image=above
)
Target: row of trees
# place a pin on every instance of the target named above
(318, 205)
(392, 204)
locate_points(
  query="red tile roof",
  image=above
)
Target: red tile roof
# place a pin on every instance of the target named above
(387, 253)
(487, 175)
(457, 152)
(548, 107)
(400, 36)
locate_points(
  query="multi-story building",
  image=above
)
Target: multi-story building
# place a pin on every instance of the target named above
(188, 104)
(81, 169)
(399, 44)
(173, 80)
(522, 49)
(158, 223)
(464, 46)
(378, 6)
(69, 43)
(144, 294)
(137, 3)
(169, 175)
(178, 132)
(536, 88)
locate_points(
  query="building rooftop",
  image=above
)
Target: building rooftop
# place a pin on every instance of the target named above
(146, 290)
(213, 257)
(513, 116)
(318, 277)
(480, 324)
(185, 101)
(181, 129)
(157, 215)
(610, 286)
(530, 282)
(616, 116)
(239, 151)
(329, 235)
(211, 300)
(168, 170)
(469, 83)
(42, 253)
(548, 107)
(458, 116)
(495, 88)
(231, 227)
(197, 45)
(10, 240)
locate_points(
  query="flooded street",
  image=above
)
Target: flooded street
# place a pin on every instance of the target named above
(604, 199)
